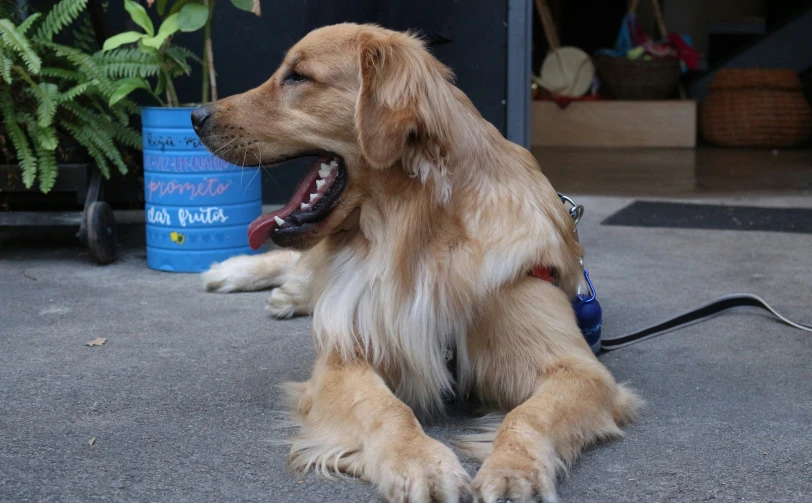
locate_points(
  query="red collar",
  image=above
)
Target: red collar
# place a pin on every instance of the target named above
(545, 273)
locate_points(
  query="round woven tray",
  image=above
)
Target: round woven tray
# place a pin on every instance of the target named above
(756, 108)
(628, 79)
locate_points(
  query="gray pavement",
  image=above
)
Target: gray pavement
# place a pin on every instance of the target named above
(182, 400)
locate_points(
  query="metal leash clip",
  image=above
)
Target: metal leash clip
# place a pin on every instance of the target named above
(576, 210)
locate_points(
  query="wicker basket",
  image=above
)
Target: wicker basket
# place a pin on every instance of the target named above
(628, 79)
(756, 108)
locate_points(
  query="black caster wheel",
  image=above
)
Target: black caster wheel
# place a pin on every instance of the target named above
(102, 237)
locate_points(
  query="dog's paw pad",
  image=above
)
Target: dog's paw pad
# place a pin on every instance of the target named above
(431, 472)
(523, 481)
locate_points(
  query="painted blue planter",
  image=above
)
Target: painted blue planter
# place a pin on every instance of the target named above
(198, 206)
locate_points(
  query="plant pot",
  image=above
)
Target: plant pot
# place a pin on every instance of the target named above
(198, 206)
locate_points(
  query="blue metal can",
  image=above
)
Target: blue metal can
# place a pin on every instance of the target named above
(198, 206)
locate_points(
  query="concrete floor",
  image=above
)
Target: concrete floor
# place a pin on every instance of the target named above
(182, 403)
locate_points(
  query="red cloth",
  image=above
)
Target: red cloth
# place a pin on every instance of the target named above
(685, 52)
(564, 101)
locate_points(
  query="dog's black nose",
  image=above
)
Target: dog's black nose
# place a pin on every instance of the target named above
(200, 116)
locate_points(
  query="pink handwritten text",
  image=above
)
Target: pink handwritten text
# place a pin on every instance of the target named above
(208, 187)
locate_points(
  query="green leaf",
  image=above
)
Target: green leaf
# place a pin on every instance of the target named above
(47, 168)
(126, 135)
(86, 64)
(45, 92)
(81, 136)
(74, 92)
(154, 42)
(30, 20)
(160, 87)
(147, 49)
(168, 27)
(139, 16)
(94, 129)
(178, 5)
(5, 68)
(247, 5)
(46, 138)
(61, 73)
(125, 87)
(25, 157)
(62, 14)
(183, 68)
(127, 37)
(19, 44)
(128, 62)
(192, 17)
(178, 52)
(161, 7)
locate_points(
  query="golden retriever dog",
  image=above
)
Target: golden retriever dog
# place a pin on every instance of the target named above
(413, 233)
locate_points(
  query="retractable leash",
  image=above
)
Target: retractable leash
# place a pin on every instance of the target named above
(589, 314)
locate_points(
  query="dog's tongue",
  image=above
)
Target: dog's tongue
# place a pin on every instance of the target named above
(260, 230)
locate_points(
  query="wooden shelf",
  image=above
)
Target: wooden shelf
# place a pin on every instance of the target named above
(666, 124)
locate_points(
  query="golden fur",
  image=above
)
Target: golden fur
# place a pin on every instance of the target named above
(430, 246)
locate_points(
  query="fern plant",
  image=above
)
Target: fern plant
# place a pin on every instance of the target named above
(50, 91)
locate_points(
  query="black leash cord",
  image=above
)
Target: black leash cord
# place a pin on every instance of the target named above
(695, 315)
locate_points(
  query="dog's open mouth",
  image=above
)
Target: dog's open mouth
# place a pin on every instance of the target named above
(314, 199)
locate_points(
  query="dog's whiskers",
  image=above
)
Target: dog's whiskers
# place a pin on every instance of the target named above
(223, 146)
(252, 178)
(242, 166)
(264, 168)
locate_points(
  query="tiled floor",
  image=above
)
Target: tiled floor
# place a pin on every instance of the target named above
(677, 172)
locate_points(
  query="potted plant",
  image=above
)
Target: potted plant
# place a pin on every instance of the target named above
(198, 206)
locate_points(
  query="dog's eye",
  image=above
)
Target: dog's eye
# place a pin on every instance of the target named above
(295, 77)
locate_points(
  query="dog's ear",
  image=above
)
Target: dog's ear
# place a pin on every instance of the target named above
(400, 87)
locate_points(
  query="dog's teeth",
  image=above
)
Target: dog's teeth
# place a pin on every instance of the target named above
(320, 184)
(304, 206)
(279, 221)
(333, 164)
(324, 170)
(313, 197)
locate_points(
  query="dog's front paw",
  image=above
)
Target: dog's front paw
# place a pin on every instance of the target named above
(237, 274)
(424, 471)
(287, 301)
(281, 304)
(516, 476)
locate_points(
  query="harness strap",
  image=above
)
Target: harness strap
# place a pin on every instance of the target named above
(696, 315)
